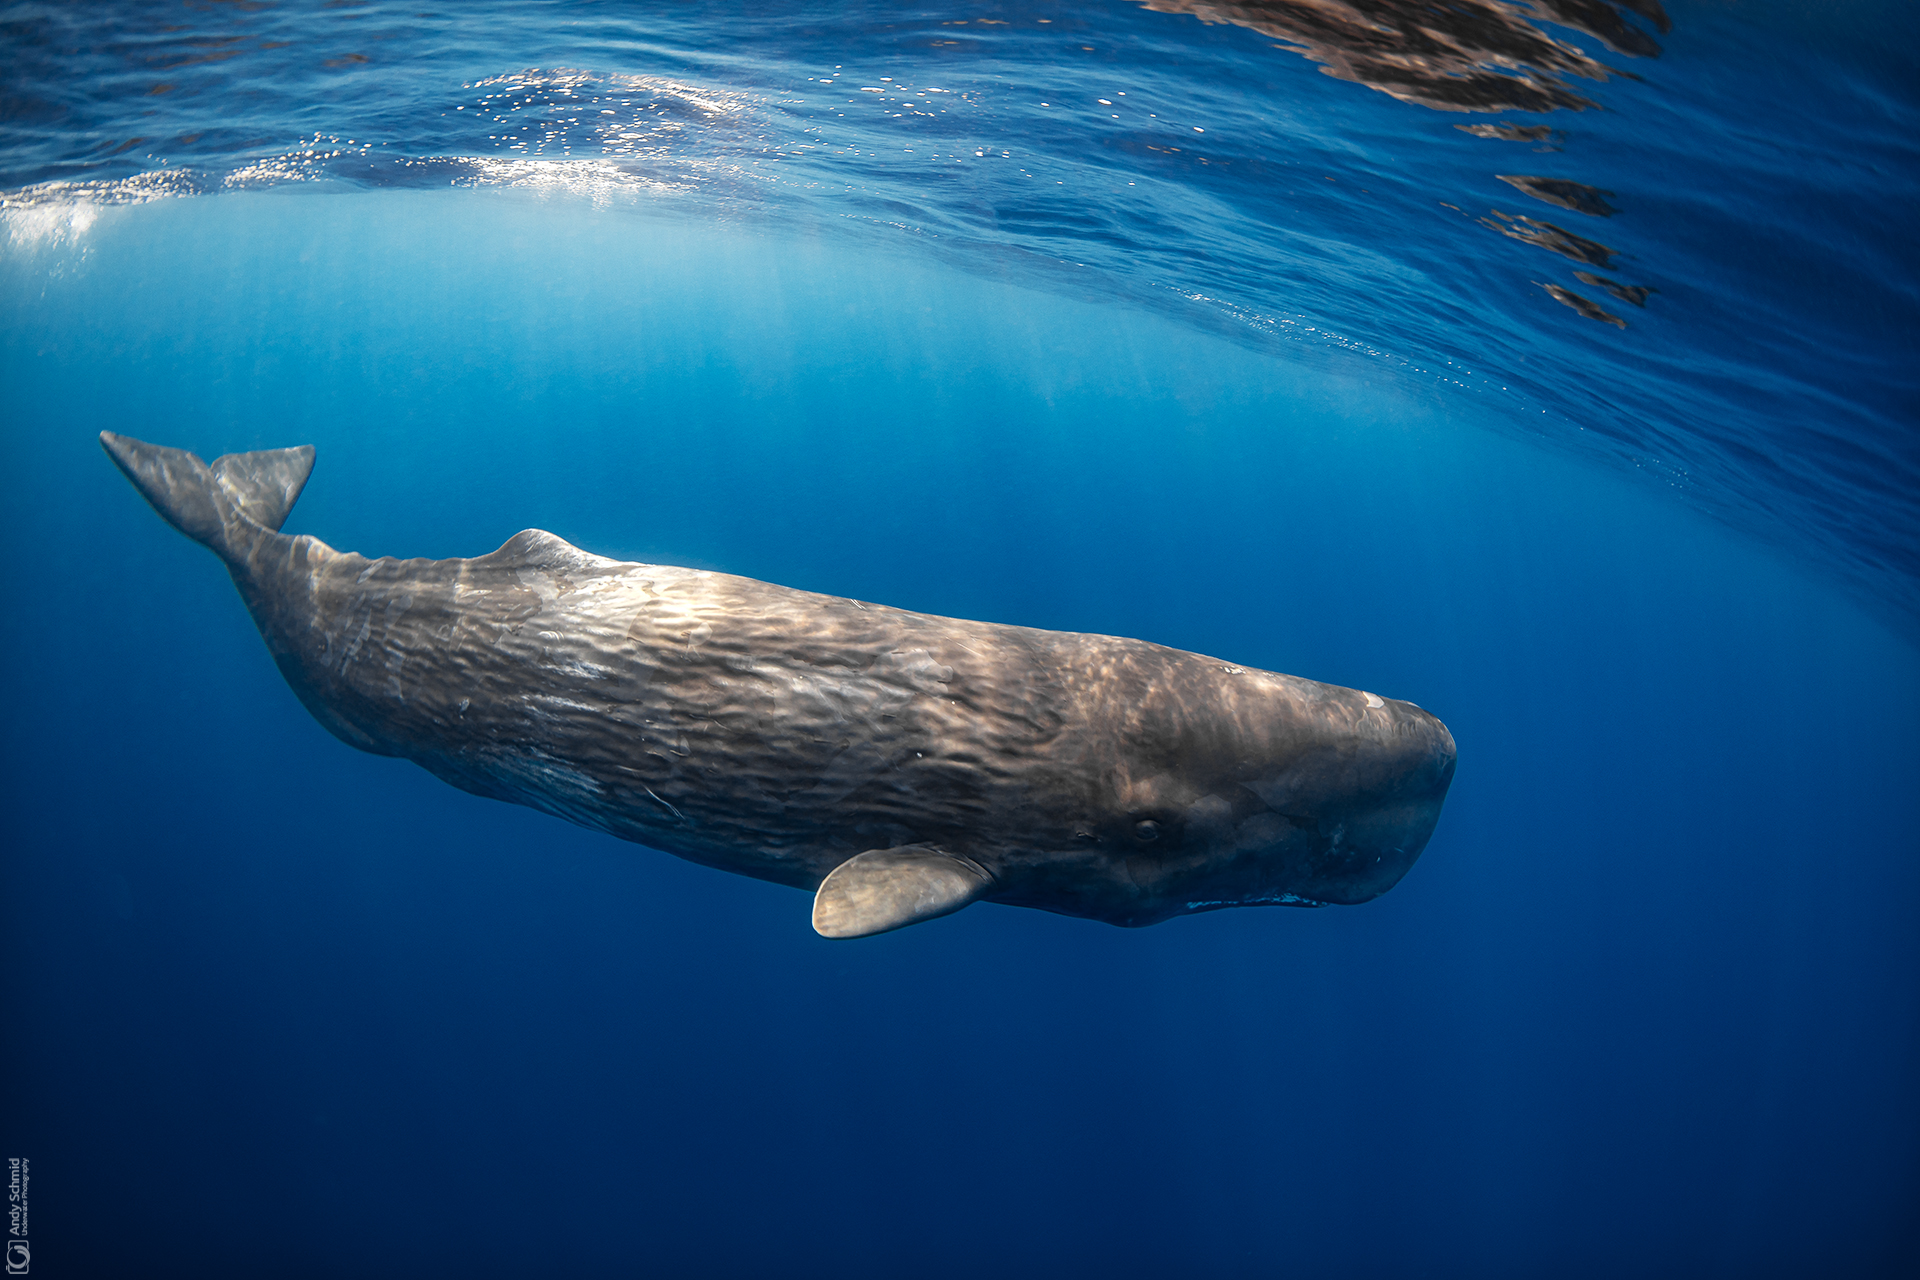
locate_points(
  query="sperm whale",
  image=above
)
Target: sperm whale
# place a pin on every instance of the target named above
(898, 765)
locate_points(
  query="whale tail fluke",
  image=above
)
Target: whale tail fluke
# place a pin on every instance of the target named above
(225, 505)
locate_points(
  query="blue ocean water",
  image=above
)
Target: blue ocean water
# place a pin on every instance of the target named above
(1270, 374)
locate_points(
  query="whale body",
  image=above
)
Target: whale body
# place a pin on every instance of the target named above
(900, 765)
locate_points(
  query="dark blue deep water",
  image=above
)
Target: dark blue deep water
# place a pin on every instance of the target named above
(1554, 369)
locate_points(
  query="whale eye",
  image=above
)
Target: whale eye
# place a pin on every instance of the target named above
(1146, 831)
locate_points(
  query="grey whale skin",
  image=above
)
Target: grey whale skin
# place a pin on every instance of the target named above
(901, 765)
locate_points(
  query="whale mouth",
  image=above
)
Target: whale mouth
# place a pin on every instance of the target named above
(1266, 900)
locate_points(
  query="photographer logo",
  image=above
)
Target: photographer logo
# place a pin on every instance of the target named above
(18, 1254)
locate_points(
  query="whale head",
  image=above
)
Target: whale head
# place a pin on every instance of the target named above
(1228, 787)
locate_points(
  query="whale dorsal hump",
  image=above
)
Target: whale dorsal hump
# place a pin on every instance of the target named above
(885, 889)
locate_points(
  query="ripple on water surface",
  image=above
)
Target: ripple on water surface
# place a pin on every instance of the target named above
(1669, 242)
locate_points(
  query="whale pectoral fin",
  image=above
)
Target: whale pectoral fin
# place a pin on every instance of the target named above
(885, 889)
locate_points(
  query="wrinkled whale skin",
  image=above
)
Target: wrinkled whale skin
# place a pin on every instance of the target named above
(779, 733)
